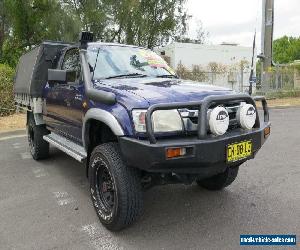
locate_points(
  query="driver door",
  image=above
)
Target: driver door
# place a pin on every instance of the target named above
(64, 100)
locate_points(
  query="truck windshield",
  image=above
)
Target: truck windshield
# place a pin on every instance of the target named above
(112, 61)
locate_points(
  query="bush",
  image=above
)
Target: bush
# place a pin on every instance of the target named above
(7, 106)
(196, 74)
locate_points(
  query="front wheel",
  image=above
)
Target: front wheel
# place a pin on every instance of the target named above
(220, 181)
(115, 188)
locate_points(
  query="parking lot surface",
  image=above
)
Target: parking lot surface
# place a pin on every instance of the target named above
(46, 204)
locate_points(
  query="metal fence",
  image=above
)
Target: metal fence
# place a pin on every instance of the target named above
(280, 78)
(235, 80)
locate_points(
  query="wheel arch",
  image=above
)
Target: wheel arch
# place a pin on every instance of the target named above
(102, 118)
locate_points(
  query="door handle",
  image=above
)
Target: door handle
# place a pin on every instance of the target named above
(78, 97)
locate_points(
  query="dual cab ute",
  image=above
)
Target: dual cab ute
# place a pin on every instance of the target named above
(123, 112)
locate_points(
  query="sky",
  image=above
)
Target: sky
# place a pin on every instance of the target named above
(236, 20)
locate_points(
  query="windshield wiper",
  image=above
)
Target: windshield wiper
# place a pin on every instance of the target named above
(167, 76)
(127, 75)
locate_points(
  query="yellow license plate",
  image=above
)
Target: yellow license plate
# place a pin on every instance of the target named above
(238, 151)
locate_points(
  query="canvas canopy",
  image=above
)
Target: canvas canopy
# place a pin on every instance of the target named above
(32, 70)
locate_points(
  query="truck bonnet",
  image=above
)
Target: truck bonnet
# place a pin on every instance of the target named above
(142, 92)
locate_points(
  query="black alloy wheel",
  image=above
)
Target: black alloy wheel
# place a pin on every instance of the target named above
(116, 189)
(105, 187)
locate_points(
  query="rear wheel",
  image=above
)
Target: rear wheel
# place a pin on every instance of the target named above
(220, 181)
(39, 148)
(115, 188)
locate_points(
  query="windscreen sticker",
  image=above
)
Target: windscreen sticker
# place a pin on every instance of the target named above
(154, 60)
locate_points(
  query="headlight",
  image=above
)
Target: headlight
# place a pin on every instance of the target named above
(218, 120)
(162, 120)
(166, 121)
(246, 116)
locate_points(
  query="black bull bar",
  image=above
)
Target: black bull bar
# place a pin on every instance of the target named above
(203, 107)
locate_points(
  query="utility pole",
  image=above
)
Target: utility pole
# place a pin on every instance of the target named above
(266, 42)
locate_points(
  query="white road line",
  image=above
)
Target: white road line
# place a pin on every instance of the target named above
(59, 194)
(26, 155)
(39, 172)
(99, 237)
(11, 137)
(63, 198)
(66, 201)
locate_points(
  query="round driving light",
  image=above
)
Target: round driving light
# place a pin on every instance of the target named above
(218, 121)
(246, 116)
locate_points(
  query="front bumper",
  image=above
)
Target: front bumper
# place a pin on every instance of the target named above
(206, 154)
(205, 157)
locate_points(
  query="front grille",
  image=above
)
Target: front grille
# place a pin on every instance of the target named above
(194, 120)
(190, 117)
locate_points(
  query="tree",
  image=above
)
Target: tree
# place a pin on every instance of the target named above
(29, 22)
(89, 15)
(159, 21)
(34, 21)
(124, 20)
(182, 25)
(201, 34)
(183, 28)
(26, 23)
(144, 22)
(286, 49)
(4, 26)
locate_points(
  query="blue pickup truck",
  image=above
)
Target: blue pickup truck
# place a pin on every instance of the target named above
(123, 112)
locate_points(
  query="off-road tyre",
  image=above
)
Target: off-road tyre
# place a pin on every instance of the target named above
(116, 189)
(220, 181)
(39, 148)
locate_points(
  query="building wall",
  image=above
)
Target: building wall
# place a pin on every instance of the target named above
(197, 54)
(190, 54)
(169, 52)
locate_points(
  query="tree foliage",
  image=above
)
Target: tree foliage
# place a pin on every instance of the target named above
(286, 49)
(26, 23)
(6, 90)
(201, 33)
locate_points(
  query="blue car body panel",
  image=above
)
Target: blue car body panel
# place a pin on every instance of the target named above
(131, 93)
(142, 92)
(67, 103)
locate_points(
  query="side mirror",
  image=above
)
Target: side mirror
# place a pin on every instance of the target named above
(61, 76)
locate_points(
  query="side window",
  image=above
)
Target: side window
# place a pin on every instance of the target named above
(71, 63)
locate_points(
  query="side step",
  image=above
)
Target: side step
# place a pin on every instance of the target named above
(72, 149)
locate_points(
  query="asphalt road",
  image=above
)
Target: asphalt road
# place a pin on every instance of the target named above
(46, 205)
